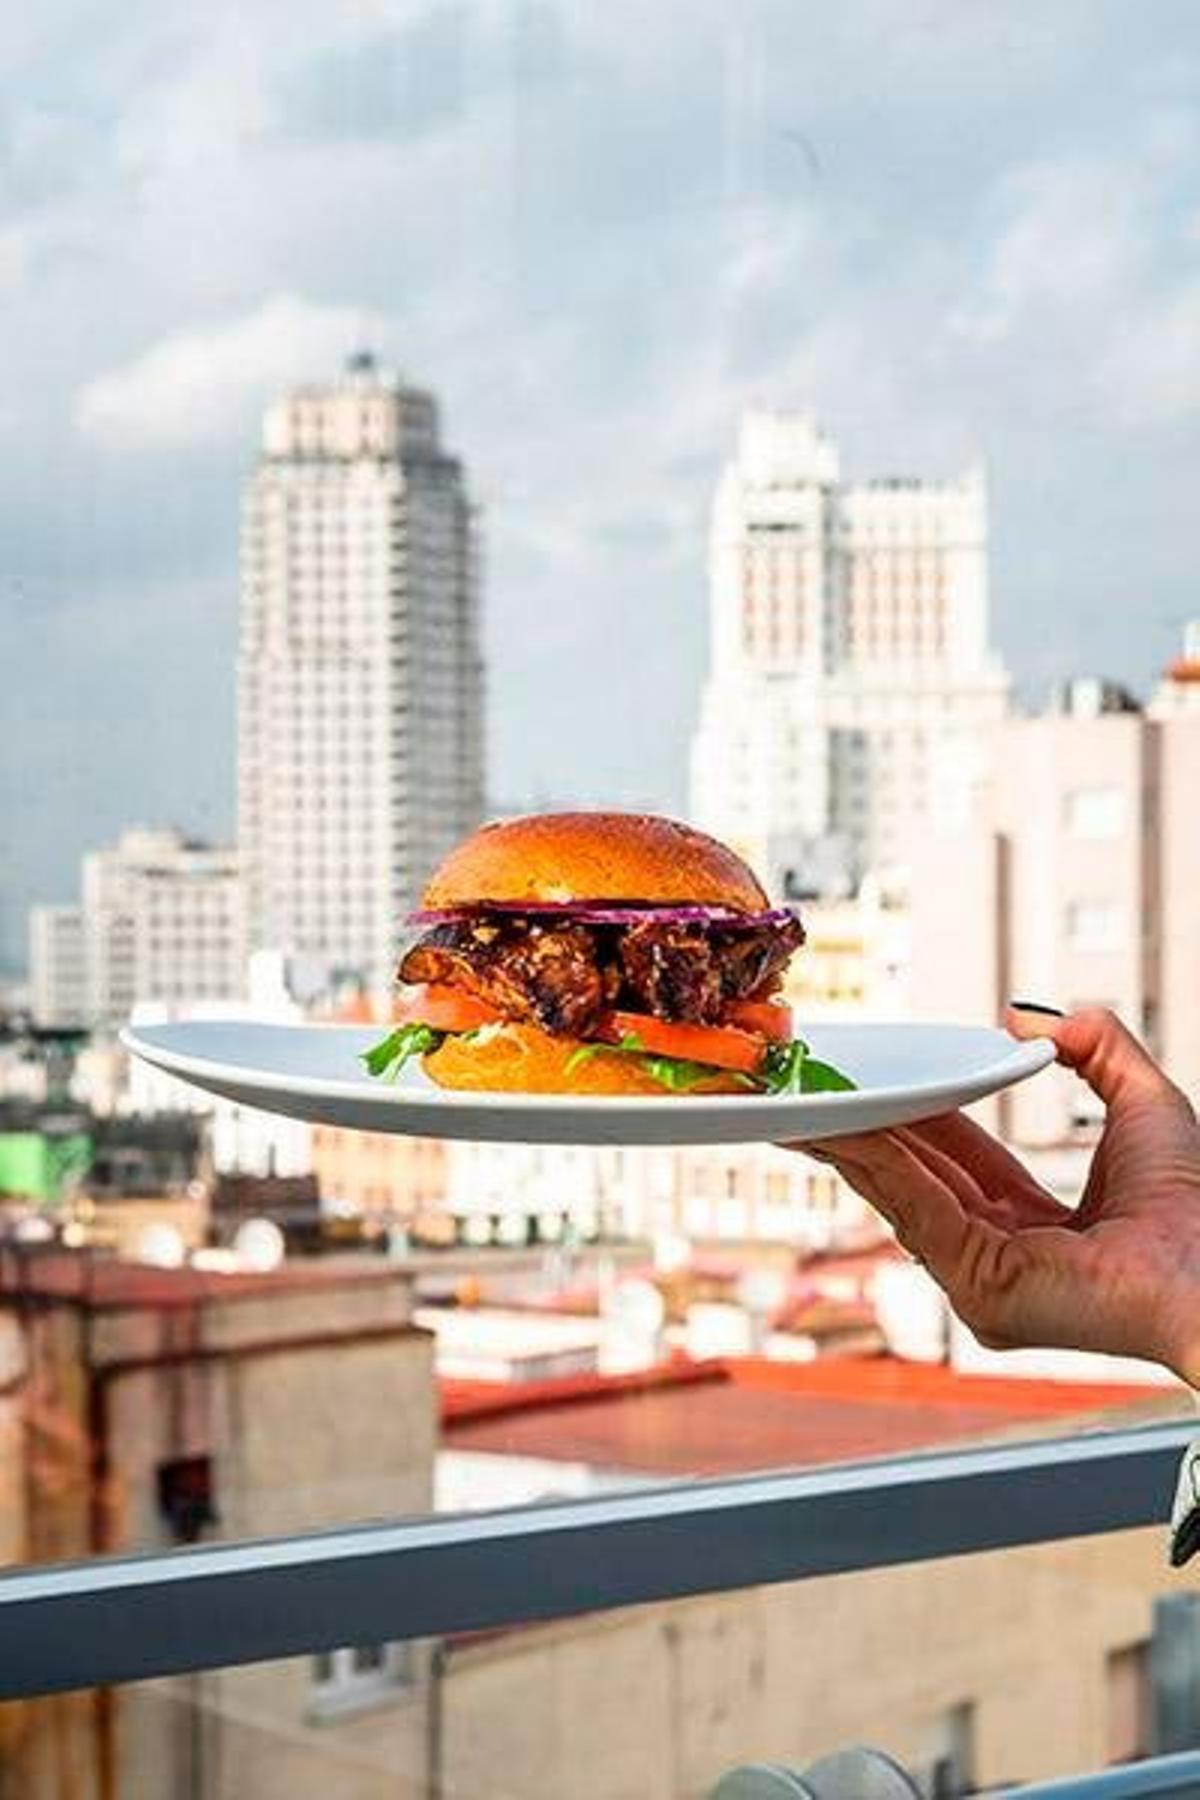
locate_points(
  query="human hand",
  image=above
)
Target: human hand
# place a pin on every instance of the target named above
(1121, 1273)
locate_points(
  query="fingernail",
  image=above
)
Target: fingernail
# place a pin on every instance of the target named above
(1054, 1012)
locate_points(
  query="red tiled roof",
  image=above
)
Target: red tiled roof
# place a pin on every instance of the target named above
(737, 1415)
(463, 1401)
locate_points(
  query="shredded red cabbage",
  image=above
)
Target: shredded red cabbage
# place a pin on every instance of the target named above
(585, 912)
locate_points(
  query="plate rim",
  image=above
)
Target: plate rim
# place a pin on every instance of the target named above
(1027, 1057)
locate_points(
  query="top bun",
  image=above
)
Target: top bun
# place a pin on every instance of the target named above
(557, 857)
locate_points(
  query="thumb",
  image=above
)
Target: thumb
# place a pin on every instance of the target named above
(1098, 1047)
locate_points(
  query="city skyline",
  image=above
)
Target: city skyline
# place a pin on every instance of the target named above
(972, 242)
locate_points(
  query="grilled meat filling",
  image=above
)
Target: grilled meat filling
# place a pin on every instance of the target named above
(550, 976)
(564, 977)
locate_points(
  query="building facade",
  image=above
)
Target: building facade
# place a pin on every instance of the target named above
(145, 1408)
(737, 1193)
(58, 991)
(850, 670)
(1073, 882)
(1041, 1673)
(360, 676)
(161, 922)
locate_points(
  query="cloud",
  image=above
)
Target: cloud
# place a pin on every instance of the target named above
(597, 233)
(1073, 239)
(199, 386)
(1150, 375)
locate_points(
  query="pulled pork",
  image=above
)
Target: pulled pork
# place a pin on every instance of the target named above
(565, 977)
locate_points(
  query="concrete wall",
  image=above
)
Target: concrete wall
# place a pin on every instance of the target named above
(1179, 1022)
(662, 1700)
(1049, 765)
(1091, 813)
(253, 1734)
(959, 969)
(316, 1406)
(304, 1437)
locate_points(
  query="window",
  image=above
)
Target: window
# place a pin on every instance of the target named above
(185, 1497)
(361, 1676)
(1127, 1703)
(1095, 812)
(1095, 925)
(946, 1766)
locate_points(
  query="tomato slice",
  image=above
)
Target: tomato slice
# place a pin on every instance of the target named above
(720, 1046)
(771, 1019)
(444, 1008)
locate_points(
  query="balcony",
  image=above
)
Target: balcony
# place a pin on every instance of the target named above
(451, 1587)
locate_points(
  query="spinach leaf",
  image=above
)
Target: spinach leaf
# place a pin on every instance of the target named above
(789, 1069)
(387, 1058)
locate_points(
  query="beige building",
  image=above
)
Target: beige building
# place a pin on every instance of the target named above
(359, 673)
(58, 994)
(162, 923)
(754, 1192)
(143, 1408)
(146, 1408)
(1074, 881)
(854, 961)
(375, 1175)
(1013, 1666)
(849, 655)
(1000, 1668)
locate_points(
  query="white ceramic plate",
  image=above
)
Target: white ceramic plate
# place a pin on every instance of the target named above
(904, 1072)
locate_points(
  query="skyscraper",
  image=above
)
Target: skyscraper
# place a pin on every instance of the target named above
(360, 678)
(850, 670)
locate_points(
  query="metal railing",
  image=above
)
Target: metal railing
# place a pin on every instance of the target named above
(128, 1618)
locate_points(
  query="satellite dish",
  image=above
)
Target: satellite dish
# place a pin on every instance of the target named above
(161, 1245)
(33, 1230)
(672, 1251)
(636, 1306)
(762, 1291)
(259, 1245)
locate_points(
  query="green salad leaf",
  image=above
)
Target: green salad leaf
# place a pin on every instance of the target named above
(672, 1072)
(823, 1078)
(629, 1045)
(680, 1077)
(791, 1069)
(388, 1058)
(787, 1068)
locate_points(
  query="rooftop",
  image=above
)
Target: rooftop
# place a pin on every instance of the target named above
(103, 1282)
(735, 1415)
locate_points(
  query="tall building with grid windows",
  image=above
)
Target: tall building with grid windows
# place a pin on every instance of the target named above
(850, 674)
(360, 676)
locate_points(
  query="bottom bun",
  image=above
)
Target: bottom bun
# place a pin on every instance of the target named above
(521, 1059)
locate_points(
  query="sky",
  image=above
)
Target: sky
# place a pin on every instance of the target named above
(958, 231)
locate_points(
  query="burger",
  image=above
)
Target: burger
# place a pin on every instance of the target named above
(599, 953)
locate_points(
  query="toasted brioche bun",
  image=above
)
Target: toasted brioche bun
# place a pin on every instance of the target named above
(559, 857)
(521, 1059)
